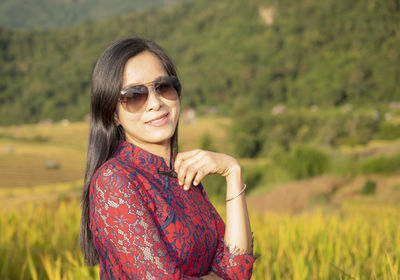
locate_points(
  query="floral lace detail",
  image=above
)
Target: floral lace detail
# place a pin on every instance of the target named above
(231, 262)
(147, 227)
(234, 250)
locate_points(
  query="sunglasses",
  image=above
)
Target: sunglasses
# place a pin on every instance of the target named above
(134, 97)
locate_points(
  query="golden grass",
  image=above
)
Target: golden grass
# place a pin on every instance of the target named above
(39, 241)
(14, 197)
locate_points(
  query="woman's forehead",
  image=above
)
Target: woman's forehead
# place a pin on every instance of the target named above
(143, 68)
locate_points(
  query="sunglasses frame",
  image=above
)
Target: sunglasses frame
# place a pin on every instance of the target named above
(173, 80)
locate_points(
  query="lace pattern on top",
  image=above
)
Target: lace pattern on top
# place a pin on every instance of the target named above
(146, 227)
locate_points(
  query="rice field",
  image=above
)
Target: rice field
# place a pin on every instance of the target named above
(40, 241)
(40, 215)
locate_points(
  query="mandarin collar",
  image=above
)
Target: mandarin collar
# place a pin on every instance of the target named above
(142, 157)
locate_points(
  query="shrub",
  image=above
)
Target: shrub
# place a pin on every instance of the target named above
(380, 164)
(246, 135)
(253, 176)
(388, 131)
(369, 188)
(306, 162)
(351, 128)
(291, 127)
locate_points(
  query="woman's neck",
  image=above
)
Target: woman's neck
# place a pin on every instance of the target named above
(160, 149)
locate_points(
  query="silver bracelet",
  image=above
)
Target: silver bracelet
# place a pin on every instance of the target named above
(244, 187)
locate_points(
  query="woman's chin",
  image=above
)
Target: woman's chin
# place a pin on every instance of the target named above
(159, 138)
(160, 131)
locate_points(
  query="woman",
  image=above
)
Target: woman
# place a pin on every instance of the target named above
(145, 214)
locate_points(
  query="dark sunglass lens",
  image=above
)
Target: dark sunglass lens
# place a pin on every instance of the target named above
(167, 91)
(166, 88)
(134, 97)
(163, 87)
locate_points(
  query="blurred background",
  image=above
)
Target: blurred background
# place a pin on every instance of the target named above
(306, 94)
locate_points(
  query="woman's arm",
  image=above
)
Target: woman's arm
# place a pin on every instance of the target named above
(237, 230)
(234, 257)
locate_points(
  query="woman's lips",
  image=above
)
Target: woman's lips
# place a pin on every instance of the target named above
(160, 121)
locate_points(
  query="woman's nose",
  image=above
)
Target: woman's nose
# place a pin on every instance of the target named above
(153, 100)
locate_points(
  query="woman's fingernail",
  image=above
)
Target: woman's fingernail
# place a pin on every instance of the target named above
(180, 183)
(186, 188)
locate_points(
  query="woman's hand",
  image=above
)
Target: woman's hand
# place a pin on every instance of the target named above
(211, 276)
(196, 164)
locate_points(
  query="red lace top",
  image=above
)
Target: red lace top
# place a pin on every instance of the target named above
(145, 226)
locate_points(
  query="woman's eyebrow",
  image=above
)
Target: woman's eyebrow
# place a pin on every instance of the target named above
(148, 83)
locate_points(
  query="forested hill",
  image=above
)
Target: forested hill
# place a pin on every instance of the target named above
(45, 14)
(251, 52)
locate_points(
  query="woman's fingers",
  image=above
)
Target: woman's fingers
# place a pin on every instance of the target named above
(191, 173)
(188, 169)
(183, 156)
(192, 166)
(199, 176)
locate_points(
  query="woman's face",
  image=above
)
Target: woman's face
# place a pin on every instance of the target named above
(139, 129)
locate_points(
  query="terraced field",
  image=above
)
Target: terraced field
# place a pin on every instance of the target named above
(319, 228)
(33, 155)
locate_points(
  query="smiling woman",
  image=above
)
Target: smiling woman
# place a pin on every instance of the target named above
(149, 117)
(145, 214)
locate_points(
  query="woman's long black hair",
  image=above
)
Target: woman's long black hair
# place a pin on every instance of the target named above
(105, 134)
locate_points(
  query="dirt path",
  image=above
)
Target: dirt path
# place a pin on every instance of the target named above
(296, 196)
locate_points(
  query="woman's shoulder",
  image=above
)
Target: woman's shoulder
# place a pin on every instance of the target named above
(113, 173)
(111, 166)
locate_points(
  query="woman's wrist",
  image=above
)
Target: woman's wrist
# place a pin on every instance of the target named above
(234, 182)
(241, 191)
(234, 172)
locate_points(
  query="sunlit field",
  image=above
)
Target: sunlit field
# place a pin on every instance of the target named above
(349, 237)
(40, 241)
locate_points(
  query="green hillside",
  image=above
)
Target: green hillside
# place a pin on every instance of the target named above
(253, 53)
(45, 14)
